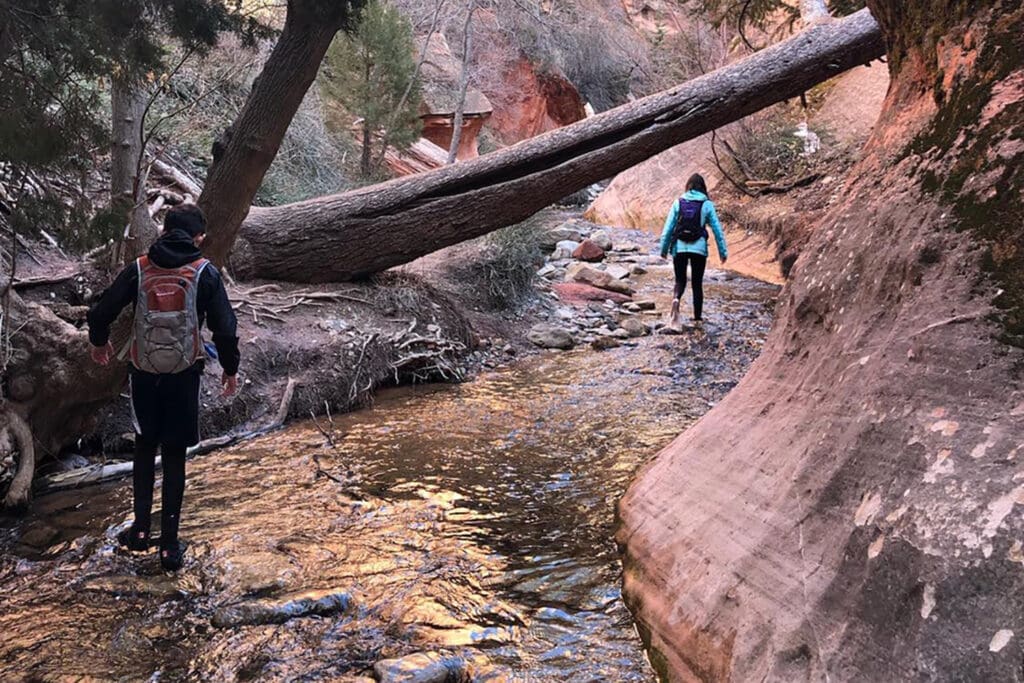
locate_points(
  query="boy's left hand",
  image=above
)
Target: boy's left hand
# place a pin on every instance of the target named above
(230, 385)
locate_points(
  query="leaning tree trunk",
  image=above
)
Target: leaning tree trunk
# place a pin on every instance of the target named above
(127, 184)
(854, 509)
(368, 230)
(245, 151)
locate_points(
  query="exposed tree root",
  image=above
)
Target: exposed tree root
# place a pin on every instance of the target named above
(20, 491)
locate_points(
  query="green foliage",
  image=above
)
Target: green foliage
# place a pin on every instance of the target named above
(55, 58)
(842, 8)
(369, 72)
(507, 265)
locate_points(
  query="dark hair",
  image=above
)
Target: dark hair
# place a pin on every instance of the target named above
(188, 218)
(696, 182)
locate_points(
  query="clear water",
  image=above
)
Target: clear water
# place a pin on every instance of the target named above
(474, 519)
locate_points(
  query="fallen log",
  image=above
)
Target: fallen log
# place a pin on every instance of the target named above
(357, 233)
(96, 474)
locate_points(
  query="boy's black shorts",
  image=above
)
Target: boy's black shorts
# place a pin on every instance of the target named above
(165, 408)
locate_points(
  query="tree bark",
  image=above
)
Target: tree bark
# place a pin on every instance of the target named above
(127, 184)
(357, 233)
(247, 148)
(460, 107)
(852, 509)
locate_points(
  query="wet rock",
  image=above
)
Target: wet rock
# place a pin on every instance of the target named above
(645, 305)
(626, 247)
(549, 336)
(637, 269)
(588, 250)
(260, 612)
(618, 272)
(634, 327)
(604, 343)
(422, 667)
(601, 239)
(580, 272)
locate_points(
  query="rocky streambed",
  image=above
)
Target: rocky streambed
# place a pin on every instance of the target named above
(450, 532)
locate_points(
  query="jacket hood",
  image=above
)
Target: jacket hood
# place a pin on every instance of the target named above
(695, 195)
(174, 249)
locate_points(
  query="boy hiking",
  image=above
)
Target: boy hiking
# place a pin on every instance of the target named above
(174, 290)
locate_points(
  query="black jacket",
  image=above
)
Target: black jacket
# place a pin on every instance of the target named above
(173, 250)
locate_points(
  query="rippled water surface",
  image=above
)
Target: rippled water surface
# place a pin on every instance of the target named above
(474, 520)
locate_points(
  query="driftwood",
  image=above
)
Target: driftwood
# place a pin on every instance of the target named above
(357, 233)
(20, 490)
(95, 474)
(180, 178)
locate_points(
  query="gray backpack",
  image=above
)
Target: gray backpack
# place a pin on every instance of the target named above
(166, 338)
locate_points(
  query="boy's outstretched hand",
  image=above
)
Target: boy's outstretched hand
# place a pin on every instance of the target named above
(101, 355)
(230, 385)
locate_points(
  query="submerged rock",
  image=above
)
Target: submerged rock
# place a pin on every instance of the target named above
(422, 667)
(260, 612)
(549, 336)
(634, 327)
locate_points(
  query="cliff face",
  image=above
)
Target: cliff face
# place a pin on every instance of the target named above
(854, 509)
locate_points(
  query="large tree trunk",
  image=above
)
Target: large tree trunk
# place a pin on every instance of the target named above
(852, 510)
(368, 230)
(127, 186)
(245, 151)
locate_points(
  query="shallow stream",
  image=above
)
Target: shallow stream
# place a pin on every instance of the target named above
(474, 520)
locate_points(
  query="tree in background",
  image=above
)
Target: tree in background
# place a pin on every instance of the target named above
(372, 72)
(767, 14)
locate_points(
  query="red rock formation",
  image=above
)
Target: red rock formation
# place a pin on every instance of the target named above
(853, 509)
(528, 102)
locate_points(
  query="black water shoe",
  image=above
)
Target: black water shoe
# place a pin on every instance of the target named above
(133, 539)
(172, 556)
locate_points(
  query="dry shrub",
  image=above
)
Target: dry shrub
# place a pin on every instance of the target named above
(505, 267)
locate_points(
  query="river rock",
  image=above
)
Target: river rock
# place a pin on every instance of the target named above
(634, 327)
(549, 336)
(562, 233)
(577, 292)
(564, 250)
(588, 251)
(626, 247)
(601, 239)
(422, 667)
(261, 612)
(637, 269)
(604, 343)
(616, 271)
(580, 272)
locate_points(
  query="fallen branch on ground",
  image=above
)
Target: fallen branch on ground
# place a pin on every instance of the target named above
(95, 474)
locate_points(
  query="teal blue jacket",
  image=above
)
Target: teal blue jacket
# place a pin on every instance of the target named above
(708, 217)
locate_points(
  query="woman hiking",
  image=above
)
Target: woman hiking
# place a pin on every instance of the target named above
(686, 237)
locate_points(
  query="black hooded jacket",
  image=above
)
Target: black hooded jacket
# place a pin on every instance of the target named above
(173, 250)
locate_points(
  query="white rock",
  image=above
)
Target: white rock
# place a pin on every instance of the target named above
(601, 239)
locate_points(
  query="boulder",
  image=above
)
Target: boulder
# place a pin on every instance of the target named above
(588, 250)
(597, 278)
(577, 292)
(601, 239)
(548, 336)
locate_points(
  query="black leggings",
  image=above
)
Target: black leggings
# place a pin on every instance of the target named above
(143, 474)
(697, 263)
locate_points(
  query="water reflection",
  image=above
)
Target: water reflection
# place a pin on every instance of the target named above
(473, 519)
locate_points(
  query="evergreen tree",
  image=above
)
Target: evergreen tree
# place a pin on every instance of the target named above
(372, 73)
(55, 59)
